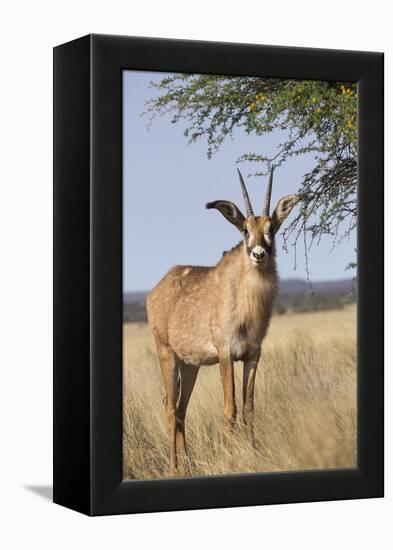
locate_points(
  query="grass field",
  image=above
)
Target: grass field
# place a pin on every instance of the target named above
(305, 402)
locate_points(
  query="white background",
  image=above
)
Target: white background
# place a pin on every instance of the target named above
(29, 30)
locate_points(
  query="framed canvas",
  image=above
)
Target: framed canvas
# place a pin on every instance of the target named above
(146, 131)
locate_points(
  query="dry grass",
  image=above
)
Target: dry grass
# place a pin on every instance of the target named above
(305, 402)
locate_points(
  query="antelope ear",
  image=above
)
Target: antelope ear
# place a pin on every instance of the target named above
(230, 211)
(282, 210)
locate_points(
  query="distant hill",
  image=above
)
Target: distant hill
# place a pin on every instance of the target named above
(287, 286)
(294, 286)
(299, 295)
(294, 295)
(135, 297)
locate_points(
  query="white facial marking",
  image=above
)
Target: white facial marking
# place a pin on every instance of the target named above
(258, 249)
(268, 238)
(257, 254)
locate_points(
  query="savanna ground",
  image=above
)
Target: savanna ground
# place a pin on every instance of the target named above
(305, 402)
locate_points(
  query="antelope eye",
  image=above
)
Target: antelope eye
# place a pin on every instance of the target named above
(269, 235)
(246, 233)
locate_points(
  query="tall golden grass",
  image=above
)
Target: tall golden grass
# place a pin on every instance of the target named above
(305, 402)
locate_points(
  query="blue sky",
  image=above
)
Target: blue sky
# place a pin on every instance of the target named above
(166, 184)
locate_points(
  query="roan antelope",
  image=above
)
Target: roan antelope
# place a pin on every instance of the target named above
(220, 314)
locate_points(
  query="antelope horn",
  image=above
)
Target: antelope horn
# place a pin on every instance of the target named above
(266, 204)
(247, 202)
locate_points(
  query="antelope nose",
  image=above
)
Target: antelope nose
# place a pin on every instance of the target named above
(258, 255)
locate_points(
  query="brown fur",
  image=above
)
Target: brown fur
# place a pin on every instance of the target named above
(209, 315)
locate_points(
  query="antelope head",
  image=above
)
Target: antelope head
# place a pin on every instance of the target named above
(258, 231)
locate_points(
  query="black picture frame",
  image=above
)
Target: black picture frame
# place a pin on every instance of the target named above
(88, 275)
